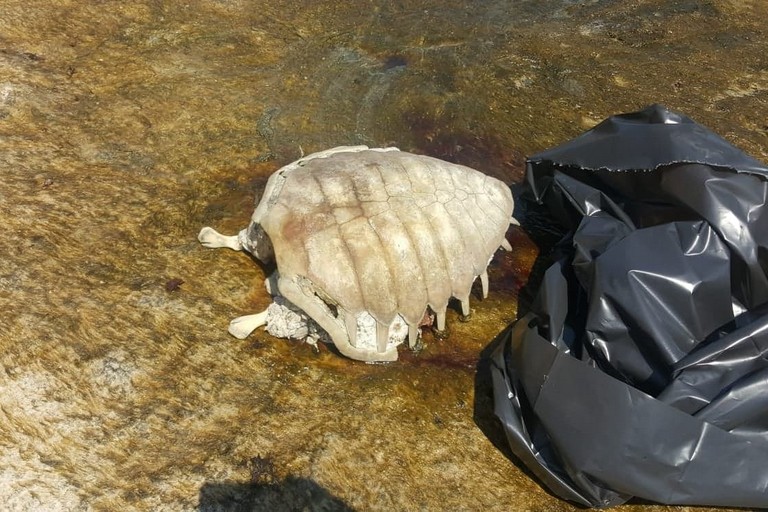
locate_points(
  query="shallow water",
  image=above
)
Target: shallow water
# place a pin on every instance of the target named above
(126, 126)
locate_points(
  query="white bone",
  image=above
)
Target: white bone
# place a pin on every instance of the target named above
(413, 335)
(212, 239)
(382, 337)
(318, 311)
(465, 307)
(440, 314)
(340, 289)
(243, 326)
(351, 325)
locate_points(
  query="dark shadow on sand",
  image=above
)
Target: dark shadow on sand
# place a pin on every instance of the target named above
(289, 495)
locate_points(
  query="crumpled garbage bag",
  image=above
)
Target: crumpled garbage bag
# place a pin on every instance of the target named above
(642, 367)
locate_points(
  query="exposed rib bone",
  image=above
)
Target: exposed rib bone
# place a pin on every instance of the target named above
(440, 314)
(505, 244)
(351, 324)
(212, 239)
(465, 307)
(413, 335)
(484, 283)
(243, 326)
(382, 337)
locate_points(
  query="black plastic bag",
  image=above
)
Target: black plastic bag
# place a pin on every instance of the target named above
(642, 367)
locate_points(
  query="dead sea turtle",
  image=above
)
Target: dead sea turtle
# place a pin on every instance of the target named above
(368, 241)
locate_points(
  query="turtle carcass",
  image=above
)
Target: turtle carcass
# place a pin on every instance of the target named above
(369, 241)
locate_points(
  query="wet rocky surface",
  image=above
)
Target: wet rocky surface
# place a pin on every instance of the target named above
(127, 126)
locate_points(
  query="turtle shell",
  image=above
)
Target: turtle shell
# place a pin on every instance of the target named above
(382, 232)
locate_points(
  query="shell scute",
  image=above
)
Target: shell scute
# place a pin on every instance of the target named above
(435, 280)
(337, 280)
(376, 282)
(402, 261)
(301, 194)
(447, 232)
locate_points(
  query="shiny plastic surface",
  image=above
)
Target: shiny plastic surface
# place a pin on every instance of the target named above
(641, 369)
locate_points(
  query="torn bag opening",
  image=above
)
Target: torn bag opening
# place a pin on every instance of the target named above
(642, 367)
